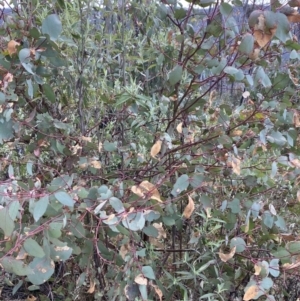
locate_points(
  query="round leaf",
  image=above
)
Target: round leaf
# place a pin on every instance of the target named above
(52, 26)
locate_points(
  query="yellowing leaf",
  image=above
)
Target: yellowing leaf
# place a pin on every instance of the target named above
(179, 128)
(140, 279)
(225, 257)
(146, 190)
(257, 269)
(189, 209)
(251, 292)
(155, 149)
(236, 165)
(12, 47)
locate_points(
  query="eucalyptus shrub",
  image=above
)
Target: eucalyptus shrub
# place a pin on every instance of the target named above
(125, 160)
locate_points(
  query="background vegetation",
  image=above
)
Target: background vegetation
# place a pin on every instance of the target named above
(149, 151)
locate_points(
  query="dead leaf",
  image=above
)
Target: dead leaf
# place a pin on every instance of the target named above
(225, 257)
(189, 209)
(146, 190)
(96, 164)
(31, 298)
(157, 291)
(251, 292)
(237, 133)
(264, 37)
(298, 195)
(294, 3)
(86, 139)
(295, 163)
(12, 47)
(161, 231)
(155, 149)
(257, 269)
(140, 279)
(179, 128)
(236, 165)
(92, 286)
(124, 250)
(296, 119)
(170, 35)
(272, 209)
(100, 146)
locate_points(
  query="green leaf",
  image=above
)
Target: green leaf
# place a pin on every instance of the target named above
(60, 252)
(29, 167)
(175, 75)
(6, 129)
(2, 98)
(274, 267)
(117, 204)
(280, 223)
(18, 267)
(47, 90)
(226, 9)
(24, 56)
(235, 206)
(268, 219)
(277, 138)
(239, 243)
(168, 221)
(230, 70)
(180, 13)
(283, 27)
(43, 269)
(54, 229)
(150, 231)
(109, 146)
(6, 222)
(181, 184)
(134, 221)
(33, 248)
(13, 209)
(52, 26)
(64, 198)
(143, 291)
(293, 247)
(148, 272)
(40, 207)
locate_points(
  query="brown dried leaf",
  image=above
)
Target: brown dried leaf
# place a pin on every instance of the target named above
(225, 257)
(294, 18)
(251, 292)
(86, 139)
(294, 3)
(161, 231)
(146, 189)
(157, 291)
(296, 119)
(31, 298)
(179, 128)
(124, 250)
(140, 279)
(257, 269)
(96, 164)
(12, 47)
(295, 162)
(155, 149)
(263, 37)
(189, 209)
(236, 165)
(92, 286)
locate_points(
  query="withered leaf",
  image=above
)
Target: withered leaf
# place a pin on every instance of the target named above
(189, 209)
(155, 149)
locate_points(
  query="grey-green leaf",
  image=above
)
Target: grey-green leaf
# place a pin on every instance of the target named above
(33, 248)
(148, 272)
(42, 268)
(64, 198)
(40, 207)
(175, 75)
(52, 26)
